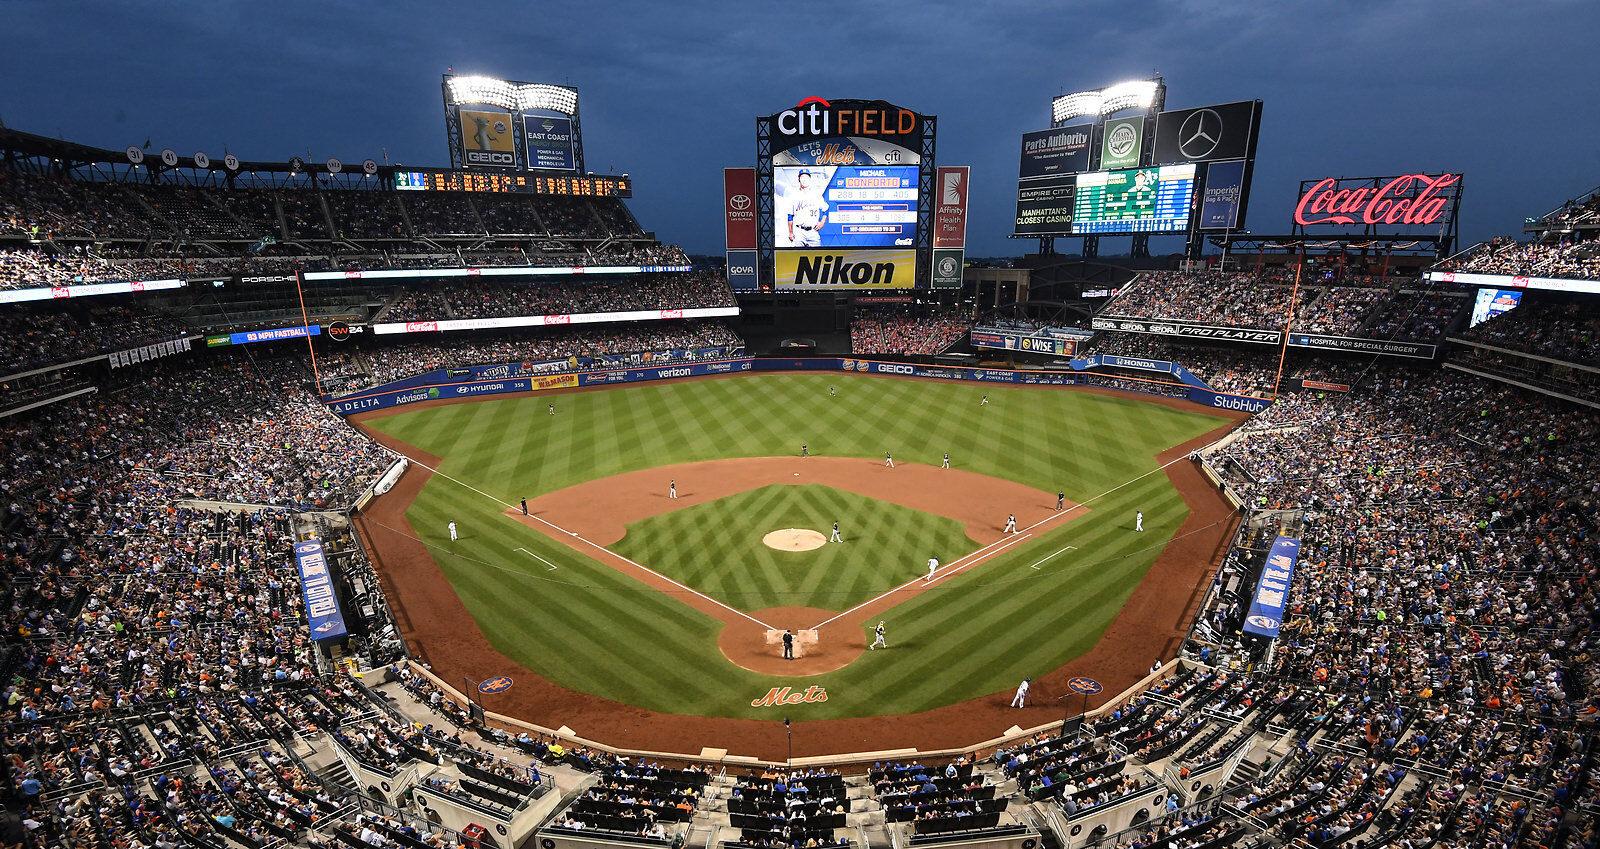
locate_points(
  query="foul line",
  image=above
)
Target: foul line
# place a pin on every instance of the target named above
(574, 535)
(1048, 556)
(536, 557)
(984, 553)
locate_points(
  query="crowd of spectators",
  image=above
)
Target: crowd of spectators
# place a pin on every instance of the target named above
(1337, 310)
(31, 268)
(390, 362)
(1418, 316)
(908, 331)
(1211, 297)
(1237, 371)
(1567, 331)
(1571, 259)
(480, 299)
(34, 338)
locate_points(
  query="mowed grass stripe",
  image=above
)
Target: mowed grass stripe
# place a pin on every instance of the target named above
(595, 630)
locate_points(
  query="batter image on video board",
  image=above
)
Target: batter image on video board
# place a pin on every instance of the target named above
(844, 206)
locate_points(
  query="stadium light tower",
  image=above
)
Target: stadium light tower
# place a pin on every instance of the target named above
(512, 96)
(1099, 104)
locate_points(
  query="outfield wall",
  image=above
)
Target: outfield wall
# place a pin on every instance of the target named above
(475, 385)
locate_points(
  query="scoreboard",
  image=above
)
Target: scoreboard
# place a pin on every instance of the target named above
(1136, 200)
(437, 180)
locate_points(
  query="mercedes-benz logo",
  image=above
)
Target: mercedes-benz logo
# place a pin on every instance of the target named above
(739, 203)
(1200, 134)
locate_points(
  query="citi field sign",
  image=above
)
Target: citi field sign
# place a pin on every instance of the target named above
(1413, 200)
(816, 118)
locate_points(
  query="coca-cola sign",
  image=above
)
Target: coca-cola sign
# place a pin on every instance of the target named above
(1411, 200)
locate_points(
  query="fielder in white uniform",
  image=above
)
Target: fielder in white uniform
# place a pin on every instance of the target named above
(1021, 698)
(452, 530)
(806, 214)
(1011, 523)
(836, 537)
(672, 489)
(888, 460)
(933, 566)
(946, 460)
(878, 643)
(1138, 520)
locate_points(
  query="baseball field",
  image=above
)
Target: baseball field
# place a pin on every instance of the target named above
(614, 589)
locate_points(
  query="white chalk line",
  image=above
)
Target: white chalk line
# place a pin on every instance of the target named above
(536, 557)
(575, 535)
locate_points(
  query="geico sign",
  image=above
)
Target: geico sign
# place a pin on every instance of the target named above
(816, 117)
(1411, 199)
(895, 368)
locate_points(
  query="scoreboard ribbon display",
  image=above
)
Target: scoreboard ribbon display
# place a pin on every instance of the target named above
(1138, 200)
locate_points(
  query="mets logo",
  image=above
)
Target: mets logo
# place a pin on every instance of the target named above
(498, 684)
(1266, 623)
(1086, 686)
(328, 626)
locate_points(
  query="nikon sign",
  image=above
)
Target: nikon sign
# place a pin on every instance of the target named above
(852, 270)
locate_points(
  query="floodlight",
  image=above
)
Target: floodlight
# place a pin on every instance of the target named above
(1140, 94)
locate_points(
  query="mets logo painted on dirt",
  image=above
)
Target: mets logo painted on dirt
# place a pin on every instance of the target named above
(1086, 686)
(498, 684)
(785, 696)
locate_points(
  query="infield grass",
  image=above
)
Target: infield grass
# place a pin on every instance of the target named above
(585, 626)
(716, 547)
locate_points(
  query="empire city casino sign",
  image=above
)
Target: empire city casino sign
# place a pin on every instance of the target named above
(1415, 200)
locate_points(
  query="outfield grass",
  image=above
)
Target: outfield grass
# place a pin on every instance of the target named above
(716, 547)
(587, 627)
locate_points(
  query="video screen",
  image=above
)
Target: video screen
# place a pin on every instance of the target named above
(844, 206)
(1493, 302)
(1137, 200)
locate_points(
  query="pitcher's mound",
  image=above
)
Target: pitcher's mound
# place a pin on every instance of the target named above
(794, 539)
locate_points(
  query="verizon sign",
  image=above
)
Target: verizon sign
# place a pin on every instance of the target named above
(1411, 200)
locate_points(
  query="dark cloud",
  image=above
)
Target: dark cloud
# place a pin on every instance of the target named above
(1501, 92)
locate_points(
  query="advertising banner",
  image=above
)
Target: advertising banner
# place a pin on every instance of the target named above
(1047, 153)
(1045, 206)
(1498, 281)
(1224, 196)
(818, 119)
(492, 271)
(950, 210)
(271, 335)
(949, 265)
(1207, 133)
(388, 328)
(1410, 202)
(1272, 591)
(742, 271)
(487, 140)
(322, 603)
(1194, 331)
(1032, 343)
(1122, 143)
(854, 270)
(1493, 302)
(1416, 350)
(49, 293)
(847, 150)
(549, 142)
(739, 208)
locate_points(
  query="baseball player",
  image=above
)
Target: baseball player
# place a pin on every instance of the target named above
(805, 450)
(1061, 500)
(946, 460)
(672, 489)
(524, 506)
(1021, 698)
(933, 566)
(807, 213)
(985, 401)
(832, 392)
(1011, 523)
(1138, 520)
(452, 530)
(878, 643)
(552, 409)
(836, 537)
(888, 460)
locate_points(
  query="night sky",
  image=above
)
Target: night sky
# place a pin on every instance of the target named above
(1505, 93)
